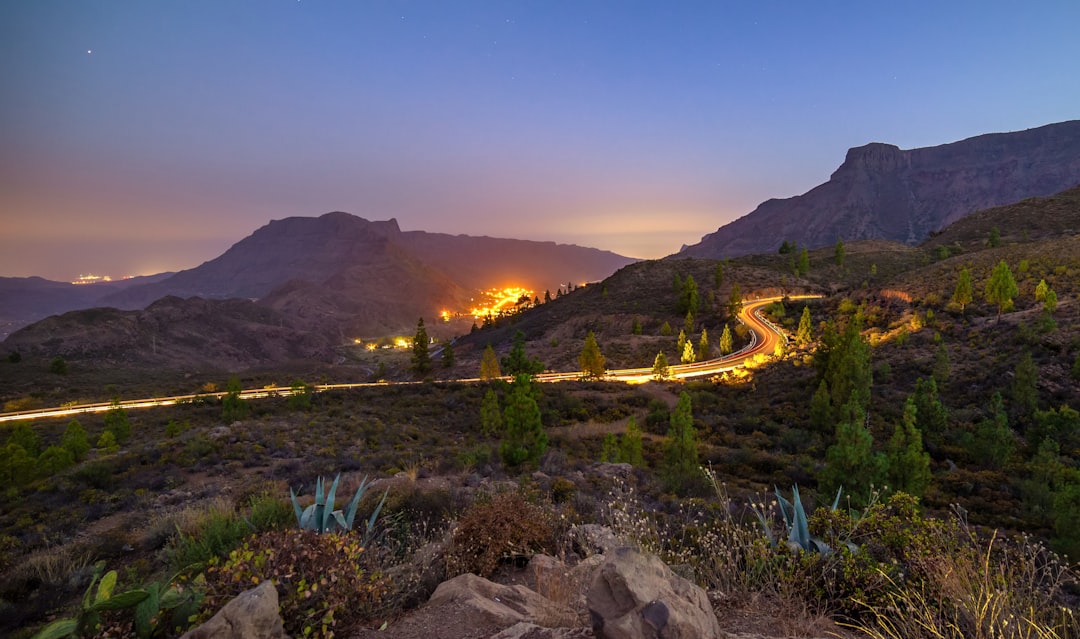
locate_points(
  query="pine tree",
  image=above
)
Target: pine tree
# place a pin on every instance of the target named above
(680, 343)
(802, 267)
(804, 335)
(688, 297)
(107, 442)
(665, 330)
(1001, 288)
(524, 439)
(117, 422)
(232, 408)
(931, 416)
(660, 370)
(942, 367)
(688, 353)
(517, 362)
(489, 364)
(688, 325)
(994, 240)
(821, 411)
(27, 437)
(490, 414)
(448, 356)
(850, 462)
(734, 306)
(421, 359)
(16, 466)
(609, 449)
(727, 342)
(75, 440)
(635, 328)
(1040, 291)
(994, 441)
(718, 275)
(630, 445)
(838, 252)
(299, 395)
(591, 359)
(53, 460)
(908, 463)
(680, 448)
(964, 294)
(703, 346)
(1024, 391)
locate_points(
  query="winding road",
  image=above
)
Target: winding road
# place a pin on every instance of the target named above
(764, 338)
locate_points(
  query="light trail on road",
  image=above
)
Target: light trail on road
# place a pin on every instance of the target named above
(764, 338)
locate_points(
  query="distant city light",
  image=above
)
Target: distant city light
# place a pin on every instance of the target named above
(90, 278)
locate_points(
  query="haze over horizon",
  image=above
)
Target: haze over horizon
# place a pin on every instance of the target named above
(144, 137)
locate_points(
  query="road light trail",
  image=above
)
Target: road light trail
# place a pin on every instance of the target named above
(764, 336)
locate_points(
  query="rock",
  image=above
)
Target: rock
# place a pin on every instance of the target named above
(252, 615)
(594, 538)
(502, 605)
(526, 630)
(635, 596)
(564, 584)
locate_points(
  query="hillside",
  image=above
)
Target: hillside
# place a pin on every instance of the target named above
(883, 192)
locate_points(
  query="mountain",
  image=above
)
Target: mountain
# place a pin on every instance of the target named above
(331, 278)
(356, 276)
(24, 300)
(881, 191)
(173, 333)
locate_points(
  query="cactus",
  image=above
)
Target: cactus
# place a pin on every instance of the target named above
(321, 516)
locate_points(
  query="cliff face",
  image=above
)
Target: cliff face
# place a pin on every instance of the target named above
(883, 192)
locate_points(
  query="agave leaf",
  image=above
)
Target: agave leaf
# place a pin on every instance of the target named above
(57, 629)
(369, 529)
(328, 513)
(836, 502)
(338, 520)
(800, 532)
(296, 508)
(105, 588)
(307, 521)
(171, 598)
(350, 511)
(786, 509)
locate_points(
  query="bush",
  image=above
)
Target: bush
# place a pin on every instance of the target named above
(318, 577)
(504, 527)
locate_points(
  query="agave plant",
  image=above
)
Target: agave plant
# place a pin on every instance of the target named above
(321, 516)
(795, 520)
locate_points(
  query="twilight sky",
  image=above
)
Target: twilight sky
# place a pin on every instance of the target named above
(138, 136)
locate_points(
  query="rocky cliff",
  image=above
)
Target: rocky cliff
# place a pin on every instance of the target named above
(883, 192)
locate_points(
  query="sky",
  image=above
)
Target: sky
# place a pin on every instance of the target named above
(141, 136)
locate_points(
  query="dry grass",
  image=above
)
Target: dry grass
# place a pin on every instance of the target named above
(992, 590)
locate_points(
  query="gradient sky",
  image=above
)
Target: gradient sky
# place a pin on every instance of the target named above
(150, 135)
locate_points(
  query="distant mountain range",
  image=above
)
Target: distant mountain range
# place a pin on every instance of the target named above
(882, 192)
(336, 276)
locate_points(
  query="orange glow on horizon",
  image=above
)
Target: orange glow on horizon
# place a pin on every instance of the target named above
(495, 302)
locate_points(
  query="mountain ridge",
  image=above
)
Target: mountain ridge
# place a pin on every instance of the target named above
(882, 191)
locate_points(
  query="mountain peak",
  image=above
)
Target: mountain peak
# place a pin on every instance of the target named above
(875, 157)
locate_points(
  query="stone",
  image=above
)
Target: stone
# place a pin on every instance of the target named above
(502, 605)
(636, 596)
(253, 614)
(526, 630)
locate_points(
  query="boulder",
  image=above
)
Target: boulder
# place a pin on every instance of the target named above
(564, 584)
(502, 605)
(636, 596)
(252, 615)
(526, 630)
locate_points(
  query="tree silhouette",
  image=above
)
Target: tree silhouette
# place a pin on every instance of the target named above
(680, 447)
(421, 359)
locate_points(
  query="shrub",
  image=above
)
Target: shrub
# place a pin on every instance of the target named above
(504, 527)
(318, 578)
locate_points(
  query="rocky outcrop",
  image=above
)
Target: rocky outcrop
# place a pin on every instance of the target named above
(635, 596)
(252, 615)
(502, 605)
(883, 192)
